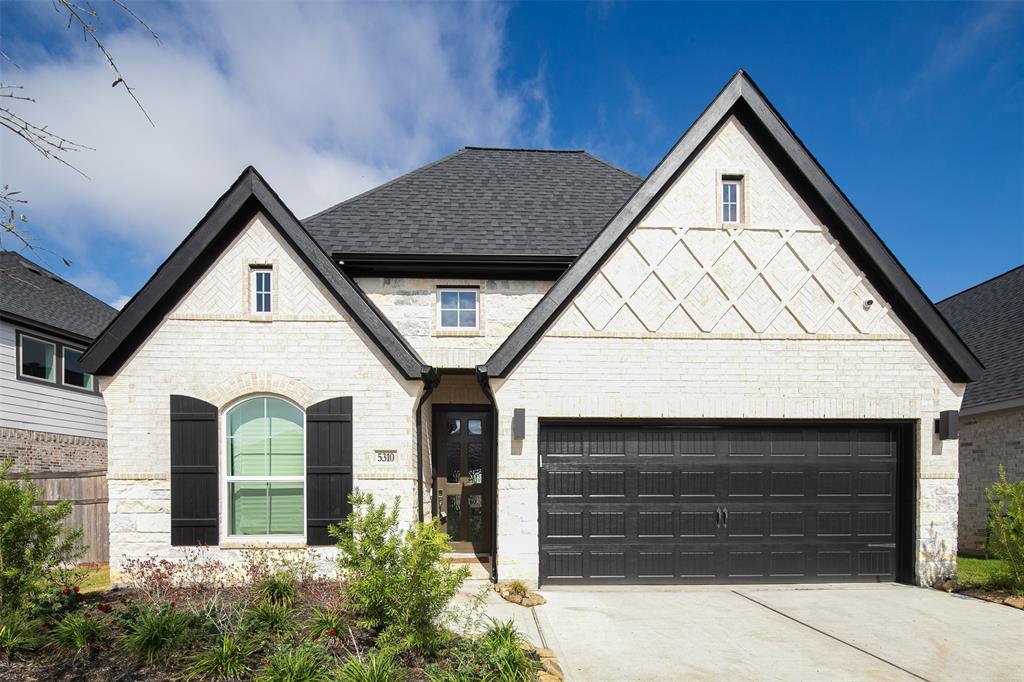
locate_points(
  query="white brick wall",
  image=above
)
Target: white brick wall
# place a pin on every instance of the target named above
(209, 349)
(645, 340)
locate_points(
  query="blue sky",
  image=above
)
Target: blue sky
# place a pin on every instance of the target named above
(916, 110)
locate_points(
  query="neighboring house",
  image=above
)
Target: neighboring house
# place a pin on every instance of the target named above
(52, 417)
(990, 318)
(717, 373)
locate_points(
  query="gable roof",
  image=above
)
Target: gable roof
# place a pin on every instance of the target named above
(248, 195)
(741, 98)
(29, 293)
(990, 318)
(481, 201)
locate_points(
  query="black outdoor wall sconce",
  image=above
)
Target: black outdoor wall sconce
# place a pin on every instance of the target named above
(518, 423)
(948, 425)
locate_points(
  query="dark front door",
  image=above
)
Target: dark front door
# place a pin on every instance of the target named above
(719, 503)
(464, 468)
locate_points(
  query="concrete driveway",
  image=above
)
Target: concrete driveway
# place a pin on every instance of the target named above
(876, 632)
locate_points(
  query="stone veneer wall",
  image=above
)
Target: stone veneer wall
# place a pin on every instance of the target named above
(210, 347)
(690, 317)
(38, 451)
(986, 441)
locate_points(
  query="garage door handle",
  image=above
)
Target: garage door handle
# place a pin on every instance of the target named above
(718, 517)
(725, 512)
(884, 545)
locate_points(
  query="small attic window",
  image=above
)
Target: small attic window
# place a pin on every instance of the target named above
(262, 289)
(732, 198)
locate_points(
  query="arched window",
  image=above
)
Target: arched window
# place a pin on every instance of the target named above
(265, 468)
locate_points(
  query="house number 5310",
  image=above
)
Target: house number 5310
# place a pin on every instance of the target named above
(386, 456)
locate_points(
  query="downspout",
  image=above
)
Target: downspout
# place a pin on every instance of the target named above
(485, 385)
(431, 378)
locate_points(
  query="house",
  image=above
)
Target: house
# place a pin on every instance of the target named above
(990, 318)
(717, 373)
(52, 417)
(53, 423)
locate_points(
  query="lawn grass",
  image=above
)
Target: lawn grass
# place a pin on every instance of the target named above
(982, 574)
(96, 579)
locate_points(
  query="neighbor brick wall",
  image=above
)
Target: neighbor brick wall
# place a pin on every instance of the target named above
(37, 451)
(986, 441)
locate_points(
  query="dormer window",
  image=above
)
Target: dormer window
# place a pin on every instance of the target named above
(732, 198)
(459, 309)
(262, 290)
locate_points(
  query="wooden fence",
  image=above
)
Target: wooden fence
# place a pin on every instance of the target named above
(87, 491)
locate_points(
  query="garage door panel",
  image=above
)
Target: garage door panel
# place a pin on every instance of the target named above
(759, 504)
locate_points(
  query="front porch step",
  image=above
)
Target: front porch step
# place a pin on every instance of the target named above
(479, 564)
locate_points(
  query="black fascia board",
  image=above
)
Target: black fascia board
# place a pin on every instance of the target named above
(480, 266)
(44, 328)
(248, 195)
(742, 97)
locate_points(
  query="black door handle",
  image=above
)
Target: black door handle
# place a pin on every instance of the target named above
(718, 517)
(725, 510)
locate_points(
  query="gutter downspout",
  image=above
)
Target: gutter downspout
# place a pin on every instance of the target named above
(431, 379)
(485, 385)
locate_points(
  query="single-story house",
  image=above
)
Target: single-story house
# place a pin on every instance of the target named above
(990, 318)
(716, 373)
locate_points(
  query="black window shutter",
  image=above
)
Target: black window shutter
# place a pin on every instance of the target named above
(328, 467)
(194, 456)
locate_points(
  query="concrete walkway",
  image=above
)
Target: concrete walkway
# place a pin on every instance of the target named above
(876, 632)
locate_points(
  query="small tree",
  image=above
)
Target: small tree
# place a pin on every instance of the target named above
(33, 538)
(398, 583)
(1006, 520)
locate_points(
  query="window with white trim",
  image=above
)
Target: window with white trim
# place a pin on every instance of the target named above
(262, 290)
(458, 309)
(38, 359)
(266, 468)
(732, 198)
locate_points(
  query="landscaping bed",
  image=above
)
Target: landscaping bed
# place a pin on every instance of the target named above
(987, 579)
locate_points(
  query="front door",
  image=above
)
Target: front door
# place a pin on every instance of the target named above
(463, 462)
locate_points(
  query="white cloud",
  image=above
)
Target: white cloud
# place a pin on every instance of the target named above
(120, 301)
(326, 100)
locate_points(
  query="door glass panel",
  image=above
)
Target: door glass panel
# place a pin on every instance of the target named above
(475, 473)
(475, 426)
(454, 503)
(476, 517)
(454, 472)
(454, 426)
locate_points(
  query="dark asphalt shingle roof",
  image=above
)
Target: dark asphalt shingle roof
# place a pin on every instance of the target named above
(30, 291)
(482, 201)
(990, 319)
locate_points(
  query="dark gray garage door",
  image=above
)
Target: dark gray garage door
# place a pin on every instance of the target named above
(718, 503)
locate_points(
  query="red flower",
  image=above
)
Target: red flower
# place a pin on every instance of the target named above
(331, 632)
(65, 591)
(104, 607)
(87, 614)
(77, 589)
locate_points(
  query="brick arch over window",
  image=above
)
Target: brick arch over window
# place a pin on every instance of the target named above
(231, 390)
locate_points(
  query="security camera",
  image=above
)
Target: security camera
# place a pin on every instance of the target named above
(868, 303)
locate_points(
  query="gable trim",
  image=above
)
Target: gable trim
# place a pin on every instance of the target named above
(741, 97)
(249, 195)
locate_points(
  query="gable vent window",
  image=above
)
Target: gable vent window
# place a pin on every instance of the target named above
(262, 290)
(732, 198)
(459, 309)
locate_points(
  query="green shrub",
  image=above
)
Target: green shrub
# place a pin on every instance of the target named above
(78, 633)
(33, 539)
(518, 588)
(17, 635)
(305, 663)
(327, 622)
(397, 583)
(497, 655)
(228, 659)
(378, 667)
(268, 618)
(153, 634)
(1006, 518)
(277, 589)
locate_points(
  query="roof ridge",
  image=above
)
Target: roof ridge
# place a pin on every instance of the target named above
(526, 149)
(390, 182)
(980, 284)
